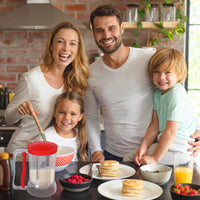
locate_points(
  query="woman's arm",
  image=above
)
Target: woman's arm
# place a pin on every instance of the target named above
(21, 95)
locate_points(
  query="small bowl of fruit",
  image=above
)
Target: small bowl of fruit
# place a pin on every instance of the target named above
(76, 182)
(185, 191)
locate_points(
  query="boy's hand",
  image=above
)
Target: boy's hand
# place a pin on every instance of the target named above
(139, 154)
(148, 159)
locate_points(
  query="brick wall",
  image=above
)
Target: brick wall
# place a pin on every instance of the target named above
(21, 50)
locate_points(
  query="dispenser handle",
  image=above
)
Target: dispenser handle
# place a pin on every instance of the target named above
(23, 169)
(24, 153)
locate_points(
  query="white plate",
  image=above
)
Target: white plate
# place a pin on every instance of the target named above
(112, 190)
(124, 171)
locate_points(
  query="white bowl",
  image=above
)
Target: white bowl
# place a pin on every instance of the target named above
(159, 174)
(64, 157)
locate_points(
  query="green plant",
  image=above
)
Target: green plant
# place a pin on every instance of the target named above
(163, 34)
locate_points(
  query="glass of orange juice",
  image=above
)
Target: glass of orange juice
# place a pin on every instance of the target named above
(183, 168)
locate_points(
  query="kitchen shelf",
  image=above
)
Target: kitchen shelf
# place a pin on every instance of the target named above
(150, 25)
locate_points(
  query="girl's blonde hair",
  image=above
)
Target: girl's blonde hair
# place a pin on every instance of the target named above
(169, 59)
(81, 125)
(77, 72)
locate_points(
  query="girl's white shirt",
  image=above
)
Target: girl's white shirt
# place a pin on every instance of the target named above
(52, 136)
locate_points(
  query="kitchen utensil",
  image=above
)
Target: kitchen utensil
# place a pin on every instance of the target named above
(176, 196)
(39, 127)
(169, 12)
(98, 170)
(112, 190)
(132, 13)
(42, 159)
(64, 157)
(75, 187)
(159, 174)
(90, 169)
(153, 13)
(124, 171)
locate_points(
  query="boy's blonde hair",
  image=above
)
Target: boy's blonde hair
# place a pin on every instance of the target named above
(169, 59)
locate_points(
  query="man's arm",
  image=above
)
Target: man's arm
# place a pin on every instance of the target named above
(196, 135)
(92, 113)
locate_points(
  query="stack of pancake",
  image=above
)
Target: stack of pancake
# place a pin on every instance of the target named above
(109, 168)
(131, 187)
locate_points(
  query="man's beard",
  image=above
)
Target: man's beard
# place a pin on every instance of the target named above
(109, 50)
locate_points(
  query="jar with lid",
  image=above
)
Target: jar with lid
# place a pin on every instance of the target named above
(6, 97)
(132, 13)
(153, 14)
(169, 12)
(11, 94)
(1, 97)
(5, 172)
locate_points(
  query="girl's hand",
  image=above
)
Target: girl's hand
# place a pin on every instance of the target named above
(148, 160)
(26, 108)
(196, 145)
(139, 154)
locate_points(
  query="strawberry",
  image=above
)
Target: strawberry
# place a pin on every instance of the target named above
(186, 187)
(177, 185)
(185, 192)
(193, 192)
(177, 191)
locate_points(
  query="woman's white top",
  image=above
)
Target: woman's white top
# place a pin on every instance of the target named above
(32, 87)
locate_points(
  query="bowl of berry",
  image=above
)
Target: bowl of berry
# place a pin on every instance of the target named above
(76, 182)
(185, 191)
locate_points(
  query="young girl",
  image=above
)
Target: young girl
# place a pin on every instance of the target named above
(68, 125)
(173, 120)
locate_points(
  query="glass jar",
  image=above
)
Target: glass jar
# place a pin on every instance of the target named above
(5, 172)
(169, 12)
(153, 14)
(132, 13)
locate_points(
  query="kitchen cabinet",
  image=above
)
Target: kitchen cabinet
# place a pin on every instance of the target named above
(6, 130)
(5, 136)
(150, 25)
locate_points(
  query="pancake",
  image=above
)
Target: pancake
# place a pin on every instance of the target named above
(132, 187)
(109, 168)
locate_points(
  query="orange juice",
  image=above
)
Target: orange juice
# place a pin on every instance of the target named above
(183, 175)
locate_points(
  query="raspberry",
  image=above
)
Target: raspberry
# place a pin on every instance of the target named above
(77, 179)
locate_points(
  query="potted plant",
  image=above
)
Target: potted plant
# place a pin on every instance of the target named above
(162, 34)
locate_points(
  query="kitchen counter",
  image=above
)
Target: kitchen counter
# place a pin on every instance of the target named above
(92, 192)
(9, 127)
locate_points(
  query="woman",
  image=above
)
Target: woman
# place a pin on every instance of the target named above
(64, 68)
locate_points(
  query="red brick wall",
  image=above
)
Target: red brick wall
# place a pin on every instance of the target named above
(21, 50)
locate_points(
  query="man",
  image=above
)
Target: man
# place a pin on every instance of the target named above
(118, 83)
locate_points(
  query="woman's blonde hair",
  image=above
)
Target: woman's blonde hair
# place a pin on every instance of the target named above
(77, 72)
(81, 125)
(169, 59)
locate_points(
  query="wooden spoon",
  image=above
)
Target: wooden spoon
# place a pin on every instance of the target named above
(39, 127)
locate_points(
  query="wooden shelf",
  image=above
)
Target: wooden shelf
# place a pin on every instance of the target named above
(150, 25)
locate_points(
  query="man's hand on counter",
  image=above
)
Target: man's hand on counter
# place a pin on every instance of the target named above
(98, 156)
